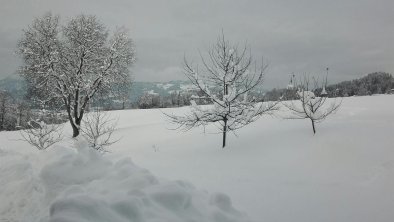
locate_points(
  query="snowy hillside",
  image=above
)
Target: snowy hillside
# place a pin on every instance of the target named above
(273, 170)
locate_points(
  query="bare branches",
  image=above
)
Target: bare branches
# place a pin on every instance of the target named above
(225, 79)
(310, 106)
(41, 135)
(97, 128)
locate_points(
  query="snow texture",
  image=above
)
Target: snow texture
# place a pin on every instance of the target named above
(81, 185)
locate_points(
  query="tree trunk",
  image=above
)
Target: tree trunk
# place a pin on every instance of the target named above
(78, 120)
(77, 125)
(3, 111)
(75, 130)
(224, 133)
(2, 122)
(74, 124)
(313, 126)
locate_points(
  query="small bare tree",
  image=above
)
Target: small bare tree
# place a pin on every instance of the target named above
(310, 106)
(42, 135)
(226, 79)
(97, 129)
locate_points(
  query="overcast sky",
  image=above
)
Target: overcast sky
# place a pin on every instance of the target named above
(352, 37)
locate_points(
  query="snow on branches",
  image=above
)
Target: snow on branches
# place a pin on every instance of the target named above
(97, 129)
(72, 62)
(310, 106)
(228, 74)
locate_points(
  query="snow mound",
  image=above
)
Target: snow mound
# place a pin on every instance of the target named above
(81, 185)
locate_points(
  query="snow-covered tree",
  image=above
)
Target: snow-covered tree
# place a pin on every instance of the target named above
(309, 105)
(228, 74)
(72, 62)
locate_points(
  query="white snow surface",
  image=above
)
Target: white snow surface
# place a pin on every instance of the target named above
(82, 185)
(274, 170)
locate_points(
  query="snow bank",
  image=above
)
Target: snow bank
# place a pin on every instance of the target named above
(81, 185)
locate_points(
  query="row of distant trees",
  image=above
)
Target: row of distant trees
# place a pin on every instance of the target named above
(373, 83)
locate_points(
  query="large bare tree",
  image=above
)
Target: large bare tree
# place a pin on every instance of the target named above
(227, 75)
(72, 62)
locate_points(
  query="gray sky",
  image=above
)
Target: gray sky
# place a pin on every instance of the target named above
(352, 37)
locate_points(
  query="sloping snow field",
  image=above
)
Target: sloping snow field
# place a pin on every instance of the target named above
(273, 170)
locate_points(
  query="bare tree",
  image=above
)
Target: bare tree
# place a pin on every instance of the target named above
(72, 62)
(309, 106)
(228, 74)
(42, 135)
(97, 129)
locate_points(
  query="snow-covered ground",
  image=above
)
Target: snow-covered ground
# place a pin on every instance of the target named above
(273, 170)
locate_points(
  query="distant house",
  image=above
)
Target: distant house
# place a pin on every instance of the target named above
(391, 91)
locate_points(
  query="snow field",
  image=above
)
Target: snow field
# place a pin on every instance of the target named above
(277, 170)
(273, 170)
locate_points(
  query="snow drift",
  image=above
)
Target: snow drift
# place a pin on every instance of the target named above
(81, 185)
